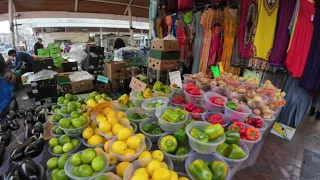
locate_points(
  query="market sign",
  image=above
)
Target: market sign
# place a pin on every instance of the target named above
(175, 78)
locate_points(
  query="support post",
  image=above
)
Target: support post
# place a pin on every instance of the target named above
(10, 12)
(101, 38)
(131, 27)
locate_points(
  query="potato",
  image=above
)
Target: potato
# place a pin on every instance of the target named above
(256, 112)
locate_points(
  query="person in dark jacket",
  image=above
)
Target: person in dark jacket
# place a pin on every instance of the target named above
(38, 45)
(4, 72)
(119, 43)
(21, 57)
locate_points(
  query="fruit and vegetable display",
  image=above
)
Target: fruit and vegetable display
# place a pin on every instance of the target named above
(91, 135)
(73, 122)
(124, 101)
(57, 131)
(254, 121)
(55, 166)
(152, 128)
(70, 108)
(137, 116)
(218, 83)
(155, 104)
(63, 144)
(96, 98)
(64, 100)
(219, 101)
(145, 94)
(215, 119)
(233, 106)
(160, 87)
(54, 109)
(247, 133)
(126, 144)
(203, 170)
(26, 169)
(178, 99)
(192, 89)
(209, 134)
(176, 143)
(174, 116)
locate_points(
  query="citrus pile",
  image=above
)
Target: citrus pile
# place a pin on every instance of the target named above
(63, 144)
(76, 120)
(56, 166)
(92, 135)
(126, 144)
(67, 98)
(96, 98)
(57, 130)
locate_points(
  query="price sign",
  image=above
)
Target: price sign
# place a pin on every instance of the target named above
(137, 85)
(215, 71)
(175, 78)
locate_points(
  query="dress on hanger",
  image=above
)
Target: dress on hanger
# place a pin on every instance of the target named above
(301, 39)
(215, 45)
(266, 27)
(247, 26)
(281, 42)
(197, 42)
(310, 79)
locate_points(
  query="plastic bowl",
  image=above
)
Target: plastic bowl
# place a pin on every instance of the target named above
(167, 126)
(195, 99)
(162, 94)
(68, 167)
(235, 115)
(177, 105)
(61, 105)
(217, 89)
(117, 107)
(257, 104)
(203, 86)
(148, 143)
(200, 147)
(123, 123)
(137, 102)
(50, 150)
(175, 158)
(249, 142)
(136, 110)
(109, 175)
(180, 174)
(128, 173)
(48, 174)
(211, 106)
(197, 116)
(76, 131)
(64, 115)
(233, 162)
(187, 79)
(54, 134)
(270, 121)
(235, 95)
(153, 137)
(264, 124)
(134, 126)
(225, 119)
(207, 158)
(151, 111)
(84, 142)
(126, 158)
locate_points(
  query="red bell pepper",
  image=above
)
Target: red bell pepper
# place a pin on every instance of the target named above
(189, 87)
(197, 109)
(217, 100)
(178, 99)
(248, 121)
(216, 119)
(257, 122)
(252, 134)
(239, 110)
(195, 91)
(189, 107)
(238, 126)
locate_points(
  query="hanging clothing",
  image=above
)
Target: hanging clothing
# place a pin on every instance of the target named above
(216, 43)
(169, 23)
(153, 9)
(266, 27)
(173, 26)
(197, 42)
(301, 39)
(281, 42)
(158, 28)
(229, 33)
(247, 26)
(310, 78)
(164, 27)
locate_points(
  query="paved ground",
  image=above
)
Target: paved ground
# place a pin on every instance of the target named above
(281, 159)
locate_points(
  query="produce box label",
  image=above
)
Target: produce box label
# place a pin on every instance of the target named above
(137, 85)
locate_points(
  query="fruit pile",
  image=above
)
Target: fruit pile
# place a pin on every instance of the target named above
(200, 169)
(192, 89)
(178, 99)
(152, 128)
(253, 121)
(233, 106)
(55, 109)
(161, 88)
(137, 116)
(248, 133)
(126, 144)
(215, 119)
(175, 143)
(145, 94)
(64, 100)
(88, 162)
(124, 101)
(92, 136)
(56, 167)
(219, 101)
(156, 103)
(230, 148)
(57, 131)
(195, 111)
(26, 169)
(71, 107)
(96, 98)
(76, 120)
(209, 134)
(63, 144)
(174, 116)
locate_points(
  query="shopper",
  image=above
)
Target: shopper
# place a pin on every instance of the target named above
(119, 43)
(38, 45)
(21, 57)
(4, 72)
(315, 108)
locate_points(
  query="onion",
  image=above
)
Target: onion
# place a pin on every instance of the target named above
(257, 98)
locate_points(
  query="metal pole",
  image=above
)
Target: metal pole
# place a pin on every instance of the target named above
(17, 33)
(101, 38)
(10, 12)
(131, 27)
(141, 38)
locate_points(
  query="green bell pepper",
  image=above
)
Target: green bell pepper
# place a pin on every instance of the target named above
(236, 152)
(140, 95)
(148, 127)
(181, 150)
(157, 130)
(219, 170)
(214, 131)
(224, 149)
(181, 136)
(232, 105)
(157, 86)
(181, 113)
(169, 144)
(130, 104)
(232, 137)
(171, 116)
(166, 89)
(199, 170)
(201, 136)
(194, 131)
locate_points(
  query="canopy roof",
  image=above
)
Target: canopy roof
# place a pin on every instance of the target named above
(139, 8)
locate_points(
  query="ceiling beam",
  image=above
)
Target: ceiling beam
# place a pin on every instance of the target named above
(117, 3)
(125, 12)
(76, 2)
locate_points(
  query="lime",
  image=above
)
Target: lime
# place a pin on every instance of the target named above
(54, 173)
(76, 159)
(104, 95)
(57, 149)
(88, 155)
(70, 110)
(60, 100)
(56, 111)
(75, 98)
(53, 107)
(53, 142)
(93, 94)
(75, 114)
(68, 96)
(82, 100)
(70, 127)
(75, 142)
(76, 122)
(91, 98)
(59, 131)
(64, 123)
(64, 110)
(102, 177)
(52, 163)
(83, 120)
(54, 128)
(66, 101)
(79, 110)
(58, 117)
(75, 171)
(98, 97)
(62, 175)
(62, 160)
(98, 163)
(78, 104)
(64, 139)
(85, 170)
(67, 147)
(72, 105)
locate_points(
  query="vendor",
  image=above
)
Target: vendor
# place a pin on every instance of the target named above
(21, 57)
(4, 72)
(38, 45)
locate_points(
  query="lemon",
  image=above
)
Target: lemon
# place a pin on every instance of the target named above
(125, 121)
(142, 136)
(106, 146)
(121, 114)
(117, 128)
(91, 103)
(101, 101)
(112, 159)
(106, 111)
(121, 167)
(134, 142)
(183, 178)
(96, 131)
(95, 140)
(128, 153)
(139, 177)
(145, 155)
(153, 166)
(113, 120)
(112, 114)
(93, 125)
(98, 149)
(161, 174)
(100, 118)
(142, 172)
(174, 175)
(105, 127)
(131, 129)
(124, 134)
(87, 132)
(119, 147)
(164, 165)
(157, 155)
(109, 133)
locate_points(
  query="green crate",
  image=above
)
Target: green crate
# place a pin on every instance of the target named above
(56, 56)
(53, 45)
(43, 53)
(54, 51)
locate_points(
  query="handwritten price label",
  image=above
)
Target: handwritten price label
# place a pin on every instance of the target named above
(175, 78)
(137, 85)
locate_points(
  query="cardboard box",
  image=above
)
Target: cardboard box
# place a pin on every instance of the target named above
(164, 55)
(44, 63)
(26, 78)
(103, 88)
(162, 64)
(43, 53)
(81, 86)
(115, 70)
(69, 66)
(64, 78)
(165, 45)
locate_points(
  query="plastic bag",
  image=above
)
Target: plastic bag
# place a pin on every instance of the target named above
(80, 76)
(77, 52)
(44, 74)
(6, 93)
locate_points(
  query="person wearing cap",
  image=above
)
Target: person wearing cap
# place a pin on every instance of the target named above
(38, 45)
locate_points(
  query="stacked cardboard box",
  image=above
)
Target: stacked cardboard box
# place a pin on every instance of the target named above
(116, 72)
(42, 63)
(163, 58)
